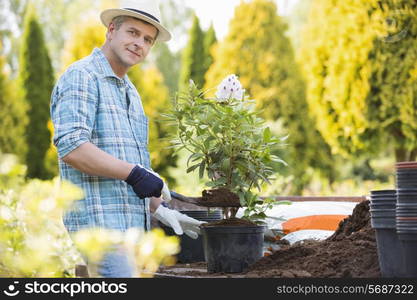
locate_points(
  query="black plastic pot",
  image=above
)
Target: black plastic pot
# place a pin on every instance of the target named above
(409, 182)
(406, 190)
(383, 192)
(383, 220)
(408, 241)
(391, 262)
(232, 249)
(383, 206)
(192, 249)
(406, 171)
(383, 213)
(406, 212)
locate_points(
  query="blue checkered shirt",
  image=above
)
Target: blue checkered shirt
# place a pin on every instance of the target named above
(90, 103)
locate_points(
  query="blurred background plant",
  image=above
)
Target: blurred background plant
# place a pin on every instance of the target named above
(34, 242)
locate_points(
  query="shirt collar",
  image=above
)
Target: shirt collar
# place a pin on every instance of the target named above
(104, 65)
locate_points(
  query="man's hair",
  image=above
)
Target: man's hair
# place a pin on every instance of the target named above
(119, 20)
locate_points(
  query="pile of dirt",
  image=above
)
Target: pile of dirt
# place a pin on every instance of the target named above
(350, 252)
(220, 197)
(229, 222)
(359, 220)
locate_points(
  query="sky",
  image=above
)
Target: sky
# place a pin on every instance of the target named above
(221, 11)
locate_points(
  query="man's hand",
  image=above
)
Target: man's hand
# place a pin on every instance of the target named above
(179, 222)
(144, 183)
(166, 195)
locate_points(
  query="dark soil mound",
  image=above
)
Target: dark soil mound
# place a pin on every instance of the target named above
(349, 252)
(359, 220)
(220, 197)
(230, 222)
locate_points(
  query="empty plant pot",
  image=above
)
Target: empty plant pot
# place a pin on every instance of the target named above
(390, 256)
(383, 192)
(407, 199)
(406, 164)
(385, 212)
(232, 249)
(408, 240)
(383, 220)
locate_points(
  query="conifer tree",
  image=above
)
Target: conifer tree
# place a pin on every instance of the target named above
(209, 41)
(36, 78)
(359, 60)
(13, 117)
(168, 63)
(193, 58)
(84, 38)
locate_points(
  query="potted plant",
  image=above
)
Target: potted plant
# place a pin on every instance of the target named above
(230, 143)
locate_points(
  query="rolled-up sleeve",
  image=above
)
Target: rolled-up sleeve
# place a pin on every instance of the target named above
(73, 108)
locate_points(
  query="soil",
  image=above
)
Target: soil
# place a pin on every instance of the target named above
(220, 197)
(230, 222)
(360, 219)
(349, 253)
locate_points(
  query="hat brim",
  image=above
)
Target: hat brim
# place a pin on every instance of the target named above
(109, 14)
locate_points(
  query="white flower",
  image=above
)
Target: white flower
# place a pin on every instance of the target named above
(229, 88)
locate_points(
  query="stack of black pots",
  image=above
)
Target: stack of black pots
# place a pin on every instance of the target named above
(406, 214)
(191, 250)
(383, 220)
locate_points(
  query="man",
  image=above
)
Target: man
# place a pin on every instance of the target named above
(101, 133)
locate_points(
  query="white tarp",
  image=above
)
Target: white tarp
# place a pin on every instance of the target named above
(306, 234)
(281, 213)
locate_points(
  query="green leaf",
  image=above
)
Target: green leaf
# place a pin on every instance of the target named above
(192, 168)
(201, 170)
(194, 157)
(267, 135)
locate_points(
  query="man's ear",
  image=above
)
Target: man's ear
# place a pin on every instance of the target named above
(110, 31)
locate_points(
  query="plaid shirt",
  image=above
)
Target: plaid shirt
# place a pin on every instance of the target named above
(91, 104)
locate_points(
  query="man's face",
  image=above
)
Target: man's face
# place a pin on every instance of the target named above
(132, 41)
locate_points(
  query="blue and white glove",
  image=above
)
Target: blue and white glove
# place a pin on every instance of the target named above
(179, 222)
(146, 183)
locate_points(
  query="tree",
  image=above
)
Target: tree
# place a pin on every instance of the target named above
(55, 17)
(193, 59)
(209, 41)
(257, 50)
(84, 38)
(13, 117)
(297, 20)
(176, 16)
(36, 79)
(359, 60)
(168, 63)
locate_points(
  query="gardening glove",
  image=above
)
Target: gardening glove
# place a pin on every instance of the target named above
(147, 183)
(179, 222)
(166, 195)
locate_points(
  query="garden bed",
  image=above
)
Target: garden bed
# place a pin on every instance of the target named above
(349, 253)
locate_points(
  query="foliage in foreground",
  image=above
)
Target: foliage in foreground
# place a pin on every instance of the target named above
(34, 242)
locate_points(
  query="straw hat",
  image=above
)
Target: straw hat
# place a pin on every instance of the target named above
(146, 10)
